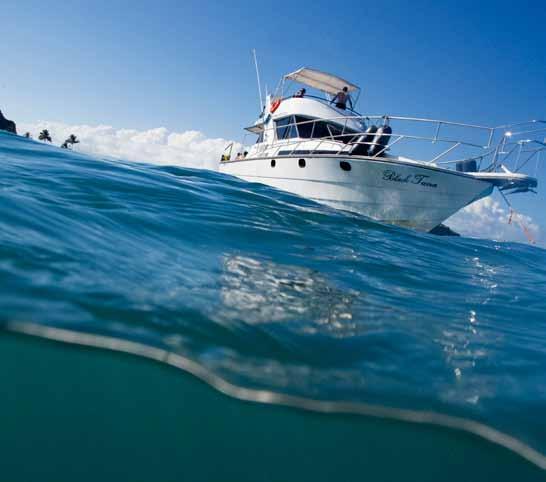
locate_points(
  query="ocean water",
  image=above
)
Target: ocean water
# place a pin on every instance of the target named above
(272, 298)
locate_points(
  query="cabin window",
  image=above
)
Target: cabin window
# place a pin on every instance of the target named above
(301, 162)
(284, 129)
(273, 163)
(309, 128)
(321, 130)
(336, 132)
(305, 130)
(345, 165)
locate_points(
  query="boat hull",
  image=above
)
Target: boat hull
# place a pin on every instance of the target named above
(395, 192)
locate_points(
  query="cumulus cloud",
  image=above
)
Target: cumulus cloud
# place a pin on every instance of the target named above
(154, 146)
(488, 219)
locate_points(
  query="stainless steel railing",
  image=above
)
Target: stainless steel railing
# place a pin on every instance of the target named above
(500, 144)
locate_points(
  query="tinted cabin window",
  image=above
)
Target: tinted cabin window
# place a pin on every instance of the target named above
(345, 165)
(308, 128)
(321, 130)
(273, 162)
(282, 127)
(292, 131)
(284, 130)
(341, 133)
(335, 132)
(305, 130)
(301, 163)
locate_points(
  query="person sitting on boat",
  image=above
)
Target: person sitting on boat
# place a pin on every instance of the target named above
(342, 98)
(300, 93)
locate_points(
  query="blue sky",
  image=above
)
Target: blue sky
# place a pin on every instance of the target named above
(187, 65)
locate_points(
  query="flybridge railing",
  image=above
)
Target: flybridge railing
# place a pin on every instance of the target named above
(498, 145)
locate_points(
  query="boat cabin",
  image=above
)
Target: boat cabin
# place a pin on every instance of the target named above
(310, 122)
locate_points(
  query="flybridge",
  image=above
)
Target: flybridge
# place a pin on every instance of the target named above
(325, 82)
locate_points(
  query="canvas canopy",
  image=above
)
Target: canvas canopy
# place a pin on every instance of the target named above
(321, 80)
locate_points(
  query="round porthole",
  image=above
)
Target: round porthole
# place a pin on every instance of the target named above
(273, 163)
(345, 165)
(301, 163)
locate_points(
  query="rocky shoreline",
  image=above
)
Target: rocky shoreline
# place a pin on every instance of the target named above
(7, 125)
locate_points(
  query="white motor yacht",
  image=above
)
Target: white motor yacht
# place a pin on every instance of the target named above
(401, 170)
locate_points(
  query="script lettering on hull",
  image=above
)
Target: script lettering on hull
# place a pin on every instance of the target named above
(420, 179)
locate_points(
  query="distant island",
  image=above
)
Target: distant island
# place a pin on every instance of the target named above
(7, 125)
(44, 135)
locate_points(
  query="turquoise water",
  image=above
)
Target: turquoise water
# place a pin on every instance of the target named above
(268, 291)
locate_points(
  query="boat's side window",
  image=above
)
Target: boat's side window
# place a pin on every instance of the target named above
(273, 163)
(310, 128)
(349, 135)
(301, 162)
(305, 127)
(293, 131)
(284, 128)
(320, 130)
(335, 132)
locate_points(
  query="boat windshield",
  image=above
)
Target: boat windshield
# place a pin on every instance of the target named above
(297, 126)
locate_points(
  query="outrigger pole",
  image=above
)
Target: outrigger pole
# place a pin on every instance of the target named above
(258, 78)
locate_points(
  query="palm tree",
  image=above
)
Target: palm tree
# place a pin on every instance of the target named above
(64, 145)
(72, 139)
(44, 136)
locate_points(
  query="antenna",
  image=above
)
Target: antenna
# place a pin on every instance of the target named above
(258, 78)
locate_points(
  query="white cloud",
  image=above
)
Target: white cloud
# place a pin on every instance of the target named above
(488, 219)
(154, 146)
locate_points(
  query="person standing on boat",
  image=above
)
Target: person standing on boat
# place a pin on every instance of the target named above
(300, 93)
(342, 98)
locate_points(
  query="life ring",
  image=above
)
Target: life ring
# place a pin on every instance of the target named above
(275, 105)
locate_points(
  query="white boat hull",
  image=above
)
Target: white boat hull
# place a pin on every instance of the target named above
(407, 194)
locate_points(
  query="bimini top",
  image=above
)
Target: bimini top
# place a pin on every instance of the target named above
(321, 80)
